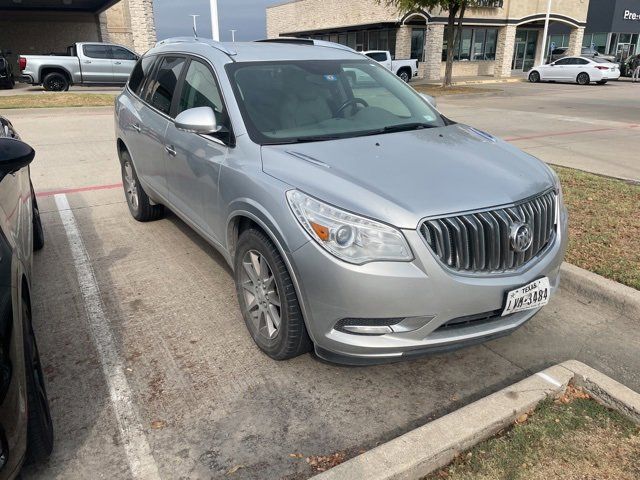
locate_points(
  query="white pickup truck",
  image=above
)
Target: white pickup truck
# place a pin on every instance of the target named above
(83, 64)
(405, 69)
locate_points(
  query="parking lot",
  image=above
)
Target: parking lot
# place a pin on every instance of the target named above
(151, 370)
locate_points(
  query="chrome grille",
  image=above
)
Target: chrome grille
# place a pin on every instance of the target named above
(479, 242)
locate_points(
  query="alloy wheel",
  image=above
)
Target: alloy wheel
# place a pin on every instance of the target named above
(404, 77)
(260, 293)
(130, 186)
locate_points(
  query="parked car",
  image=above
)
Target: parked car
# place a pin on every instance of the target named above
(6, 71)
(356, 220)
(589, 52)
(26, 431)
(85, 64)
(557, 53)
(576, 69)
(405, 69)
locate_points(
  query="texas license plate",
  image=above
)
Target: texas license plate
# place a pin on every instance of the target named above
(534, 295)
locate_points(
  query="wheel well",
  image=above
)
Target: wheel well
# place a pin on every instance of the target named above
(121, 147)
(404, 69)
(238, 225)
(47, 70)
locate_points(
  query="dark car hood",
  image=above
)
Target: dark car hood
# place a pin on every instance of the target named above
(400, 178)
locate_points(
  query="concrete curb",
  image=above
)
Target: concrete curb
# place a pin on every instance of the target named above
(432, 446)
(625, 300)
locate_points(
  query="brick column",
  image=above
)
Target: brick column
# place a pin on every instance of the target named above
(504, 51)
(403, 42)
(104, 29)
(433, 52)
(142, 24)
(575, 41)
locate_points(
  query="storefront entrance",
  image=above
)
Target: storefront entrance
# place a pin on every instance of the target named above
(524, 54)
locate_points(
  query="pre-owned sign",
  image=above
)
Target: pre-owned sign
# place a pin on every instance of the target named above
(629, 15)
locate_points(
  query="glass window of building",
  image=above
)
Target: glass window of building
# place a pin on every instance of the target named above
(474, 44)
(417, 44)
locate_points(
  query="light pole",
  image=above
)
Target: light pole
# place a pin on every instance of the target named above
(215, 27)
(233, 35)
(543, 53)
(195, 26)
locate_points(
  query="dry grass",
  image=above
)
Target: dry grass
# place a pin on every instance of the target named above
(52, 100)
(572, 439)
(604, 225)
(439, 91)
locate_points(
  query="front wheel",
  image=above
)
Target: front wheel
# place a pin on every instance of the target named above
(583, 79)
(267, 298)
(534, 77)
(39, 424)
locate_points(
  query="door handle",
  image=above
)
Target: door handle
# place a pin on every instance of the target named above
(87, 61)
(136, 127)
(170, 150)
(118, 63)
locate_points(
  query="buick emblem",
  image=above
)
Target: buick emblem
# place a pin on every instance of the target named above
(521, 237)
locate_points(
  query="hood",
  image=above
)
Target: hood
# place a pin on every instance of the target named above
(400, 178)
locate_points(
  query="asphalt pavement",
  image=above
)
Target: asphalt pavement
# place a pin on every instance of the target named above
(152, 372)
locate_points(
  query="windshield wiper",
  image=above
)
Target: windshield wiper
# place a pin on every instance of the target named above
(406, 126)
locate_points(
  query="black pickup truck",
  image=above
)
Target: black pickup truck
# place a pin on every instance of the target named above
(7, 79)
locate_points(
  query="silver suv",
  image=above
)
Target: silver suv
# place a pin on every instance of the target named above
(357, 219)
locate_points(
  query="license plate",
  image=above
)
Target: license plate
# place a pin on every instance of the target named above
(534, 295)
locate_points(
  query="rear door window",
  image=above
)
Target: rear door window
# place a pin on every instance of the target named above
(120, 53)
(96, 51)
(160, 89)
(377, 56)
(140, 73)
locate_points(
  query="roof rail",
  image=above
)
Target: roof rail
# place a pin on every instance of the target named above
(308, 41)
(206, 41)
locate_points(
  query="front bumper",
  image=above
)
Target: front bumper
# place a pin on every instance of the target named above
(331, 290)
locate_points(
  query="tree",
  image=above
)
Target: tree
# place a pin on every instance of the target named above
(456, 9)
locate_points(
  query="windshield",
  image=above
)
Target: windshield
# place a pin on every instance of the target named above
(315, 100)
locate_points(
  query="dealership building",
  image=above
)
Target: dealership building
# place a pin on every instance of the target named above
(499, 38)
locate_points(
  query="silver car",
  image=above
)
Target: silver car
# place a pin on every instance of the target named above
(357, 220)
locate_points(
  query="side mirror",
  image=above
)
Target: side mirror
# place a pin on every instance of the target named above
(14, 155)
(201, 120)
(430, 100)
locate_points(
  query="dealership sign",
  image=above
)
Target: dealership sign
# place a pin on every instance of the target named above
(629, 15)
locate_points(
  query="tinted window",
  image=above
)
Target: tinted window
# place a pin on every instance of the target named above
(160, 89)
(377, 56)
(140, 72)
(201, 90)
(564, 61)
(96, 51)
(120, 53)
(580, 61)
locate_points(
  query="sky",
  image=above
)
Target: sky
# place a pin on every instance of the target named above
(245, 16)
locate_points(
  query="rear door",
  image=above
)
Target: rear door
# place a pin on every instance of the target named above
(123, 61)
(150, 156)
(96, 63)
(194, 161)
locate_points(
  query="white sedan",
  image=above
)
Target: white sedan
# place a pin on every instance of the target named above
(581, 70)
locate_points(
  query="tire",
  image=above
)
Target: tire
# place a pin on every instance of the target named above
(38, 231)
(137, 199)
(289, 338)
(534, 77)
(404, 74)
(602, 82)
(39, 424)
(55, 82)
(583, 79)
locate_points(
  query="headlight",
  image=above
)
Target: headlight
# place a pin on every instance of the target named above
(349, 237)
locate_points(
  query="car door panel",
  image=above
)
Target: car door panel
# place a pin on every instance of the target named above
(96, 64)
(193, 171)
(123, 62)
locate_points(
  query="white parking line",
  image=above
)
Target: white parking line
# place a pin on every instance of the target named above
(140, 459)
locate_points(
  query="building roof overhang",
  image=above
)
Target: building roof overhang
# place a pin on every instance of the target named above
(89, 6)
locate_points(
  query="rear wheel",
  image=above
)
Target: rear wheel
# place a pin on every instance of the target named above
(55, 82)
(405, 75)
(39, 425)
(583, 79)
(137, 199)
(267, 298)
(534, 77)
